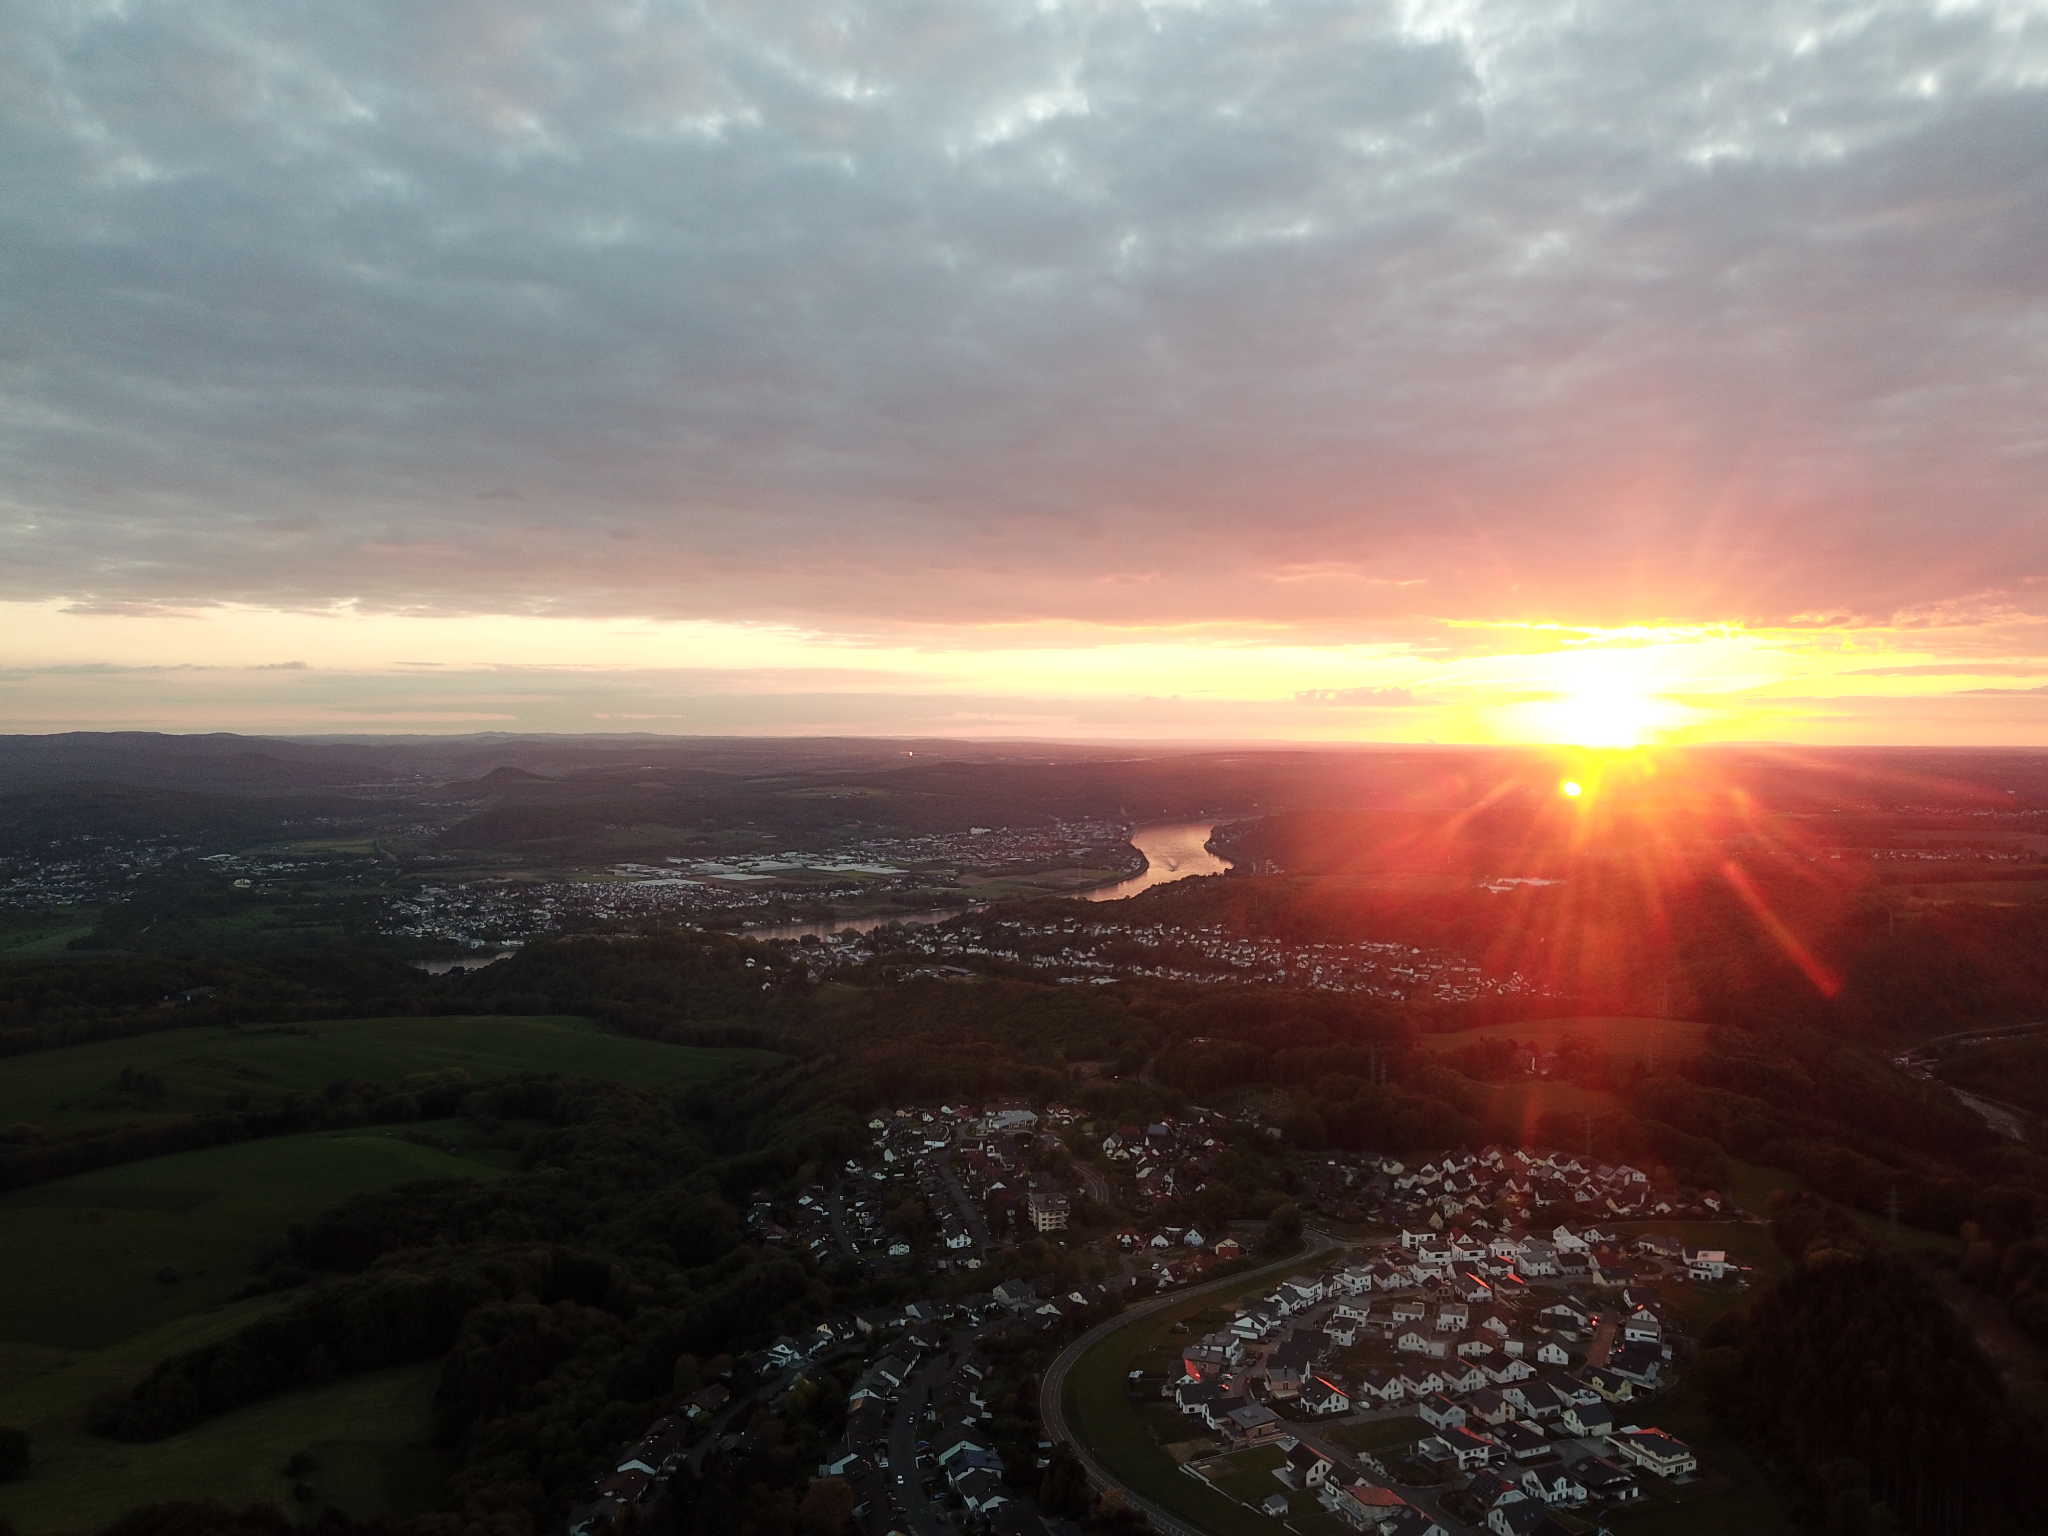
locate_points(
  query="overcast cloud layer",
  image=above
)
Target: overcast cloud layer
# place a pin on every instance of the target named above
(1334, 316)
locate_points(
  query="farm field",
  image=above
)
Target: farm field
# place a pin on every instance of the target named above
(26, 935)
(84, 1253)
(366, 1434)
(203, 1070)
(1755, 1183)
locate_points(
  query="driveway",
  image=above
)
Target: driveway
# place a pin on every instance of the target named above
(1601, 1345)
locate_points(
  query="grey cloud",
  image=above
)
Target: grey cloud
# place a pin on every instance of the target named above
(920, 313)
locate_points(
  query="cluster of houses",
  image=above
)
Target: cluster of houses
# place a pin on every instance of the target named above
(951, 1434)
(953, 1446)
(640, 1478)
(1464, 1309)
(967, 1166)
(1076, 952)
(1167, 1159)
(1491, 1383)
(1491, 1187)
(1508, 1496)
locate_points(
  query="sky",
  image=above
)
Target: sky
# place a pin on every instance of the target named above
(1462, 371)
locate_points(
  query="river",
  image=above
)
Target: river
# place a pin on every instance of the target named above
(1174, 850)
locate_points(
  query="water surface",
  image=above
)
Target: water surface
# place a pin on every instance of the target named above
(1174, 850)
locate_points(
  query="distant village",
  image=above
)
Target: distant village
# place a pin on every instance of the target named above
(82, 871)
(1081, 949)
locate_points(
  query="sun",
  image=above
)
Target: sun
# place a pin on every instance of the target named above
(1571, 789)
(1604, 717)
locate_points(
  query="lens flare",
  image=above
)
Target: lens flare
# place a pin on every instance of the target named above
(1571, 789)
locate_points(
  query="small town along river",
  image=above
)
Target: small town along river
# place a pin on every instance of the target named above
(1174, 850)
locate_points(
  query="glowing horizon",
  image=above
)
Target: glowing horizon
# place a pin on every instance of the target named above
(243, 668)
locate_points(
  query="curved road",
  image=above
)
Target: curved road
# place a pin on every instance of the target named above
(1052, 1389)
(2008, 1120)
(1091, 1176)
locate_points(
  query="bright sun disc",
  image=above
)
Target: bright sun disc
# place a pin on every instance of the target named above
(1572, 788)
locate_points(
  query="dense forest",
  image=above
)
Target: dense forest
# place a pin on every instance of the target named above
(1866, 1398)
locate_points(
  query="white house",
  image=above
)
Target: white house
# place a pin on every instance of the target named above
(1439, 1412)
(1654, 1450)
(1321, 1396)
(1706, 1264)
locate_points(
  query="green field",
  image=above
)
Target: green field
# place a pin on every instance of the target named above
(1754, 1185)
(83, 1253)
(40, 933)
(209, 1069)
(367, 1436)
(1379, 1434)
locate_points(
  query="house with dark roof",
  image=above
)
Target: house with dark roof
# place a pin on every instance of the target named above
(1304, 1466)
(1324, 1395)
(1523, 1519)
(1521, 1441)
(1467, 1450)
(1603, 1480)
(1379, 1385)
(1609, 1383)
(1252, 1424)
(1490, 1489)
(1439, 1412)
(1595, 1421)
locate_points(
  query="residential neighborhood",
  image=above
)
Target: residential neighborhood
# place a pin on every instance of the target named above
(1452, 1368)
(1373, 1386)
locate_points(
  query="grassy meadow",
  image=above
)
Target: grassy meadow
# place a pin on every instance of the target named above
(85, 1252)
(367, 1435)
(29, 934)
(203, 1070)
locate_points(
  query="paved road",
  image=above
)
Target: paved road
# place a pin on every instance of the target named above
(2006, 1119)
(2002, 1118)
(1098, 1186)
(970, 1211)
(835, 1216)
(904, 1474)
(1052, 1389)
